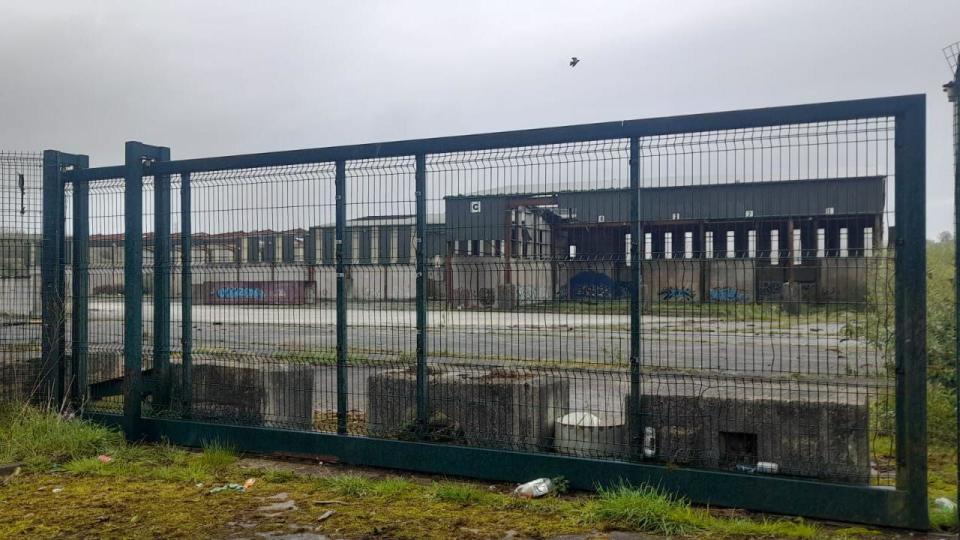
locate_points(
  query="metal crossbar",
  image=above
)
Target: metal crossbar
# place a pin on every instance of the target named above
(713, 303)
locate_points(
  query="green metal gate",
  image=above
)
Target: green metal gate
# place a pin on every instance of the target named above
(728, 305)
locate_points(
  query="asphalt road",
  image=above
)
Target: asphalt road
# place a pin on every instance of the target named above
(590, 350)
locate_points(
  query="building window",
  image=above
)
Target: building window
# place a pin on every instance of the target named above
(668, 245)
(752, 244)
(731, 236)
(708, 244)
(774, 246)
(797, 247)
(844, 252)
(868, 242)
(628, 253)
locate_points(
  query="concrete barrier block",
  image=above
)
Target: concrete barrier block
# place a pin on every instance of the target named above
(492, 407)
(250, 391)
(823, 437)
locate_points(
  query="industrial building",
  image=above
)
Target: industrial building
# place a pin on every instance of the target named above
(701, 243)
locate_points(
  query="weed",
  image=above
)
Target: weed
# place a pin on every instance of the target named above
(647, 509)
(462, 494)
(216, 458)
(41, 438)
(279, 476)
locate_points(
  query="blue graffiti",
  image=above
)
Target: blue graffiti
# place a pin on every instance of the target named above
(727, 294)
(237, 293)
(676, 294)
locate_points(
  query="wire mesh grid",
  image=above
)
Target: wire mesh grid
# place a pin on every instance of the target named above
(20, 237)
(781, 280)
(951, 53)
(104, 293)
(764, 342)
(262, 330)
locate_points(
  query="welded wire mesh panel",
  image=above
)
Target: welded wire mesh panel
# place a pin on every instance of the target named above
(951, 53)
(261, 297)
(380, 274)
(768, 299)
(104, 294)
(529, 336)
(718, 299)
(20, 232)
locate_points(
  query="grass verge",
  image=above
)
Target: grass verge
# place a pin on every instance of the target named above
(68, 490)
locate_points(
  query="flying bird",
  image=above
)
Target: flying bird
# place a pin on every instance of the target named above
(574, 61)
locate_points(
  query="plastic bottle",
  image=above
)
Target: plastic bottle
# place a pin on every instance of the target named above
(534, 488)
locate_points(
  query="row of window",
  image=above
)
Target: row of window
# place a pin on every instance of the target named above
(848, 242)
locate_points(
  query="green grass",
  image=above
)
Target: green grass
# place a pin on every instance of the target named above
(279, 476)
(942, 520)
(316, 357)
(649, 510)
(216, 457)
(41, 439)
(353, 485)
(169, 486)
(462, 494)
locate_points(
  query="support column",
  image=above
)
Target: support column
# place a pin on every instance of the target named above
(636, 234)
(80, 287)
(910, 298)
(133, 289)
(161, 283)
(186, 287)
(423, 404)
(52, 279)
(135, 156)
(341, 221)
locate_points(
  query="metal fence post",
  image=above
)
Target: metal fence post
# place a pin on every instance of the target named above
(161, 282)
(79, 333)
(52, 277)
(634, 418)
(341, 220)
(186, 305)
(953, 94)
(423, 403)
(911, 353)
(133, 288)
(956, 262)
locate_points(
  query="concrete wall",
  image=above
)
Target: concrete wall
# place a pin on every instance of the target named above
(477, 281)
(730, 280)
(672, 280)
(846, 279)
(380, 282)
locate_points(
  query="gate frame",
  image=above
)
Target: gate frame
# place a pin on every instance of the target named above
(902, 506)
(53, 280)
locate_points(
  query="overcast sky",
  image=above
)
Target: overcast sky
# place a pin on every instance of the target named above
(213, 78)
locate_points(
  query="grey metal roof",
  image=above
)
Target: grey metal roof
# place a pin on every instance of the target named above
(749, 200)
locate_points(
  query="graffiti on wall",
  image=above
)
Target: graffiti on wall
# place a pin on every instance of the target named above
(237, 293)
(727, 294)
(770, 290)
(256, 292)
(596, 285)
(486, 297)
(526, 293)
(676, 294)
